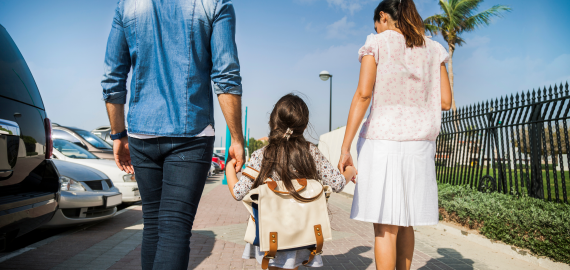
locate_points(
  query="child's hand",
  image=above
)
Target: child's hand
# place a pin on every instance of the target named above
(352, 172)
(231, 166)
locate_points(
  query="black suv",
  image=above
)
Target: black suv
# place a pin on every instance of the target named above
(29, 183)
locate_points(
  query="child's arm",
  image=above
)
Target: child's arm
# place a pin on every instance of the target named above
(231, 176)
(349, 173)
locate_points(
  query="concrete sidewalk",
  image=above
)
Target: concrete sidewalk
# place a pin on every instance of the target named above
(217, 242)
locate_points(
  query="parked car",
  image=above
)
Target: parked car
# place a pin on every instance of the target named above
(126, 183)
(217, 168)
(211, 172)
(104, 132)
(85, 139)
(28, 180)
(219, 162)
(86, 195)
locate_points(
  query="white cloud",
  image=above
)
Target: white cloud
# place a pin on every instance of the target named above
(340, 29)
(349, 5)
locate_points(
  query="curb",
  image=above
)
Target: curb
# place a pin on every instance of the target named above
(348, 195)
(513, 251)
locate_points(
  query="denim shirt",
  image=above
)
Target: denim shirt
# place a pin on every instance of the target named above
(175, 49)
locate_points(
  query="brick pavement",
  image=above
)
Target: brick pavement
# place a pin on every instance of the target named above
(217, 242)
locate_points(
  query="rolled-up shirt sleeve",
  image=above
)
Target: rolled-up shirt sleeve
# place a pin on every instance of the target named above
(225, 64)
(117, 63)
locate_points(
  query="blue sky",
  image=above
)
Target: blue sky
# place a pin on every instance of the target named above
(283, 45)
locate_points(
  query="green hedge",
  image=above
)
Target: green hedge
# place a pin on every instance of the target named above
(540, 226)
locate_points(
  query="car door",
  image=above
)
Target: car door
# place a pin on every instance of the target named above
(28, 184)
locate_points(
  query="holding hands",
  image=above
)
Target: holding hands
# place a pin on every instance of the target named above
(346, 167)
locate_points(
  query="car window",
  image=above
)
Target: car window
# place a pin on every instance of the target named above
(16, 80)
(60, 134)
(71, 150)
(93, 140)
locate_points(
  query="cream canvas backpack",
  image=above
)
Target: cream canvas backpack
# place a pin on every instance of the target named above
(279, 222)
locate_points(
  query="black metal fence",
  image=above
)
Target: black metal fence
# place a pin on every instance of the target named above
(515, 145)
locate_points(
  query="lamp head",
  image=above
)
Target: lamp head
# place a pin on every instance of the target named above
(324, 75)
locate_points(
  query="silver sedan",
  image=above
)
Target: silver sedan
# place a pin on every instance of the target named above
(86, 195)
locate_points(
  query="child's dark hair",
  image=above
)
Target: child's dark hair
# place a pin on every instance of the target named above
(288, 158)
(407, 18)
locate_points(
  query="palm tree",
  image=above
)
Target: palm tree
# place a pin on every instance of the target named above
(458, 17)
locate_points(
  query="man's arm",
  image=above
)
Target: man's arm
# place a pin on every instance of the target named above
(231, 107)
(226, 76)
(117, 67)
(116, 113)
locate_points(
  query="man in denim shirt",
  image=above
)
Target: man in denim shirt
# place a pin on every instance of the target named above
(175, 48)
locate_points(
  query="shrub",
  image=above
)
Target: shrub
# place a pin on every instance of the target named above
(540, 226)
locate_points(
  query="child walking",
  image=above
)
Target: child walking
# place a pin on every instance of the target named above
(287, 156)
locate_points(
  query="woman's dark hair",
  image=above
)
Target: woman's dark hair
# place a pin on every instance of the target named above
(407, 18)
(288, 158)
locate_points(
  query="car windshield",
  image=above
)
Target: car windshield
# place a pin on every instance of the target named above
(72, 150)
(93, 139)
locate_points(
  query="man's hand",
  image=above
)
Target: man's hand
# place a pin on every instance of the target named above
(345, 160)
(123, 155)
(236, 153)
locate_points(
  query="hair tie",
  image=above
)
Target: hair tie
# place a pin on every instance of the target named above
(288, 133)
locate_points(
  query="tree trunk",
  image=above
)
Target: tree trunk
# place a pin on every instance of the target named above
(450, 74)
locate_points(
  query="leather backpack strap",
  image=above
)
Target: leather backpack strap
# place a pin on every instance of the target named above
(318, 249)
(250, 172)
(272, 250)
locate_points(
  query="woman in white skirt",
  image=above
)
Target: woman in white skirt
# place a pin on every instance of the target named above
(403, 75)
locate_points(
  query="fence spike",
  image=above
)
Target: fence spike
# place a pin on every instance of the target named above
(560, 89)
(501, 106)
(517, 99)
(555, 91)
(566, 87)
(538, 94)
(512, 100)
(550, 91)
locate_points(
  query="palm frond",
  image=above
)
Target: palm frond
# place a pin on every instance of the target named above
(432, 29)
(465, 8)
(484, 18)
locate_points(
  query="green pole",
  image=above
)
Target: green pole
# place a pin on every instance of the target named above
(245, 131)
(245, 128)
(228, 143)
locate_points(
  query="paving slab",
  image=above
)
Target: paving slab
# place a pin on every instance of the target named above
(217, 242)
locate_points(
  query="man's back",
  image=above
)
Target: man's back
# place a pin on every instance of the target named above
(175, 47)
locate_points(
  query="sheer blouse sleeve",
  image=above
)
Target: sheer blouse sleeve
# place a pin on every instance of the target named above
(327, 172)
(243, 186)
(443, 54)
(374, 46)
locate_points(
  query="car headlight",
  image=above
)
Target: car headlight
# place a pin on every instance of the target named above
(129, 178)
(69, 184)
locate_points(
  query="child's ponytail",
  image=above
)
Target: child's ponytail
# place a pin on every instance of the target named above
(288, 154)
(407, 18)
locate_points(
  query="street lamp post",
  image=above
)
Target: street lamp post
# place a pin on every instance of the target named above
(325, 75)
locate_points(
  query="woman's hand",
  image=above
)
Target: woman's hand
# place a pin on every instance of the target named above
(345, 160)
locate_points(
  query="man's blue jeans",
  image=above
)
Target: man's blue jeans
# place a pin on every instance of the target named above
(171, 174)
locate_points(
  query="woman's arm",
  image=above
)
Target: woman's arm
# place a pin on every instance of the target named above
(446, 95)
(358, 108)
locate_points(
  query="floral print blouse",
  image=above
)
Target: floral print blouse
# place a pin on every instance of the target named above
(328, 174)
(406, 102)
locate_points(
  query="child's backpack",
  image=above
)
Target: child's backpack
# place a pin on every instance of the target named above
(279, 222)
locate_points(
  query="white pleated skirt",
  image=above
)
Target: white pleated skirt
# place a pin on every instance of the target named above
(396, 183)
